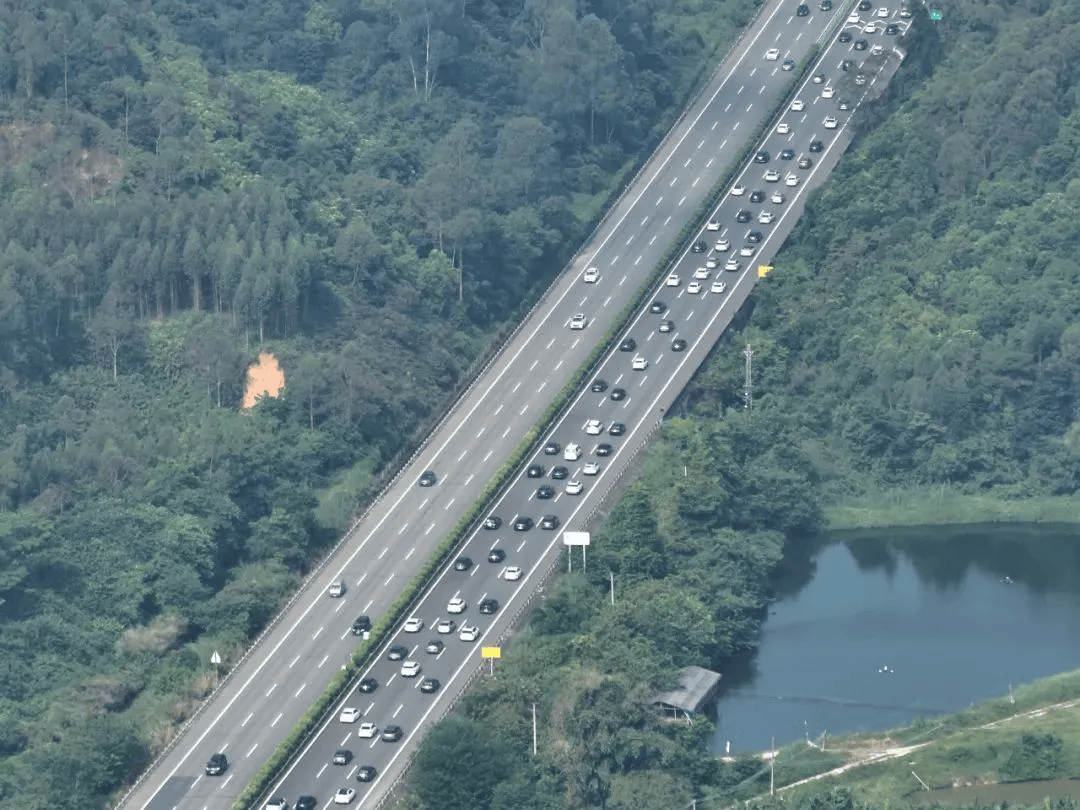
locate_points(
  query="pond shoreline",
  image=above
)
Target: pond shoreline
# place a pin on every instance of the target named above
(939, 506)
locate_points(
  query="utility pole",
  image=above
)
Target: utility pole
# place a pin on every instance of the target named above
(534, 729)
(748, 389)
(772, 754)
(611, 576)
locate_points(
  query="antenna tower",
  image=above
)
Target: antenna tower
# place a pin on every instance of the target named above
(748, 385)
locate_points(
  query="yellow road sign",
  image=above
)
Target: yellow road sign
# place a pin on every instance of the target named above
(491, 652)
(763, 270)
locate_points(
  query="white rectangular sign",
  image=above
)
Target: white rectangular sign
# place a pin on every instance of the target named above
(575, 538)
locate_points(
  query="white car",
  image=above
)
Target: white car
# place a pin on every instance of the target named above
(336, 590)
(693, 288)
(719, 287)
(410, 669)
(722, 246)
(277, 803)
(344, 795)
(778, 197)
(701, 273)
(446, 626)
(469, 632)
(414, 625)
(853, 18)
(828, 92)
(738, 190)
(714, 225)
(871, 28)
(791, 180)
(798, 105)
(772, 54)
(877, 50)
(591, 276)
(367, 730)
(593, 427)
(350, 714)
(574, 487)
(766, 217)
(830, 122)
(883, 12)
(578, 321)
(590, 468)
(456, 605)
(673, 280)
(710, 263)
(512, 574)
(747, 250)
(639, 363)
(783, 128)
(772, 176)
(733, 264)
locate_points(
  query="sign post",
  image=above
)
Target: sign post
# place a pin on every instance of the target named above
(575, 539)
(491, 653)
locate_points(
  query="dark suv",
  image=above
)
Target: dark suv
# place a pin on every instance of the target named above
(217, 765)
(762, 156)
(361, 625)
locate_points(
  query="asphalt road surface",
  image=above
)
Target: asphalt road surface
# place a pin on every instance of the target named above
(280, 677)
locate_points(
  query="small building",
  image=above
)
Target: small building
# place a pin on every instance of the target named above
(697, 689)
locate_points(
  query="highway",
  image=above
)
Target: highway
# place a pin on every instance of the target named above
(268, 691)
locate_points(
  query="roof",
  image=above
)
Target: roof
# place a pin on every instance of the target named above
(696, 684)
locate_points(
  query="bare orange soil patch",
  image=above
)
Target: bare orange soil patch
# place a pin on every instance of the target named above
(265, 377)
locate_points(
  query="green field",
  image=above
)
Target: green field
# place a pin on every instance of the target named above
(935, 506)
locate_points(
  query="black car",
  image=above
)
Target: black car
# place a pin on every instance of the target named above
(618, 394)
(493, 522)
(816, 146)
(428, 479)
(657, 307)
(616, 429)
(787, 154)
(805, 162)
(559, 473)
(361, 625)
(488, 606)
(217, 765)
(861, 45)
(754, 237)
(762, 156)
(306, 803)
(496, 555)
(545, 492)
(628, 345)
(892, 29)
(536, 471)
(434, 646)
(391, 733)
(744, 216)
(666, 326)
(789, 64)
(845, 36)
(397, 653)
(826, 5)
(552, 449)
(462, 564)
(549, 522)
(678, 345)
(603, 449)
(366, 773)
(802, 11)
(699, 247)
(368, 685)
(865, 5)
(429, 685)
(757, 195)
(523, 524)
(847, 64)
(342, 756)
(598, 386)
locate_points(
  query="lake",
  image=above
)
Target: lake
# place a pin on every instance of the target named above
(873, 628)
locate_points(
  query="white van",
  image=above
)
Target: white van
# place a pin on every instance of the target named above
(572, 452)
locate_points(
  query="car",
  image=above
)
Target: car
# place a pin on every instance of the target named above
(702, 273)
(391, 734)
(537, 470)
(574, 487)
(572, 452)
(718, 288)
(766, 217)
(853, 18)
(892, 29)
(819, 78)
(217, 765)
(772, 54)
(512, 573)
(410, 669)
(306, 803)
(591, 275)
(828, 92)
(366, 773)
(789, 64)
(847, 65)
(802, 11)
(456, 605)
(493, 522)
(446, 626)
(882, 12)
(616, 429)
(590, 468)
(754, 237)
(877, 50)
(713, 225)
(699, 246)
(604, 449)
(462, 564)
(693, 288)
(350, 714)
(723, 245)
(597, 387)
(428, 479)
(429, 685)
(397, 653)
(413, 625)
(737, 190)
(860, 80)
(336, 589)
(559, 473)
(594, 427)
(905, 13)
(816, 146)
(845, 36)
(748, 250)
(639, 363)
(743, 215)
(771, 176)
(656, 307)
(791, 180)
(762, 156)
(488, 606)
(618, 394)
(805, 162)
(830, 122)
(826, 5)
(783, 128)
(523, 524)
(710, 263)
(344, 795)
(787, 154)
(549, 522)
(757, 196)
(798, 105)
(367, 730)
(579, 321)
(496, 555)
(861, 45)
(678, 345)
(367, 685)
(628, 345)
(733, 265)
(666, 326)
(361, 625)
(469, 632)
(843, 105)
(545, 492)
(434, 646)
(865, 5)
(277, 803)
(343, 756)
(870, 28)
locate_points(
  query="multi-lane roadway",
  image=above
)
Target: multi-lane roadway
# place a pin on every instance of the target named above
(280, 677)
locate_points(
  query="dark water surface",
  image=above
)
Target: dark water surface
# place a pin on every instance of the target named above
(871, 629)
